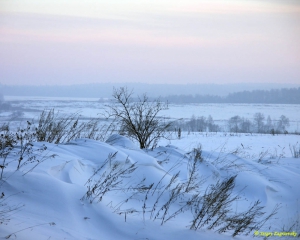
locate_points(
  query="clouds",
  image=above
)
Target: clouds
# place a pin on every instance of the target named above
(190, 41)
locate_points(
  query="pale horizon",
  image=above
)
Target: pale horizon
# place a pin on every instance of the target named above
(157, 42)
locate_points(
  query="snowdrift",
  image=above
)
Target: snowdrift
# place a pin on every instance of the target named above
(58, 199)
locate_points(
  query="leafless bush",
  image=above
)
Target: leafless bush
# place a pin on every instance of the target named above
(139, 119)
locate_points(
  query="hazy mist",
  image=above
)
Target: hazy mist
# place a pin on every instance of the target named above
(154, 90)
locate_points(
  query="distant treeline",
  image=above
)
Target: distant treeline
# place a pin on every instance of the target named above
(280, 96)
(235, 124)
(105, 90)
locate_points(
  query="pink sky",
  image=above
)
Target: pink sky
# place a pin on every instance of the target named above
(72, 41)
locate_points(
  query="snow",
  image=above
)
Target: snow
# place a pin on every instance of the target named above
(51, 195)
(92, 107)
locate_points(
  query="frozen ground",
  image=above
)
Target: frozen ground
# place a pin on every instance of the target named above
(53, 206)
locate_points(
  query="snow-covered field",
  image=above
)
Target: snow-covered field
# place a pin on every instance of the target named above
(53, 203)
(92, 107)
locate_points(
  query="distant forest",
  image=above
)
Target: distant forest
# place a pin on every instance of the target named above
(180, 94)
(105, 90)
(280, 96)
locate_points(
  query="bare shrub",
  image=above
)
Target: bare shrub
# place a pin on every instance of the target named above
(139, 119)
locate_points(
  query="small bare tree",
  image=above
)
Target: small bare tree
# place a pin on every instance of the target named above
(139, 119)
(259, 121)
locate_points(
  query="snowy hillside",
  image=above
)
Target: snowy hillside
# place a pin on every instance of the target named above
(87, 189)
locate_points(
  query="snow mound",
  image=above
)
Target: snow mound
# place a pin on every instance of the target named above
(73, 171)
(119, 140)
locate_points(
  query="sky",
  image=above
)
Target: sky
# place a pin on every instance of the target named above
(63, 42)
